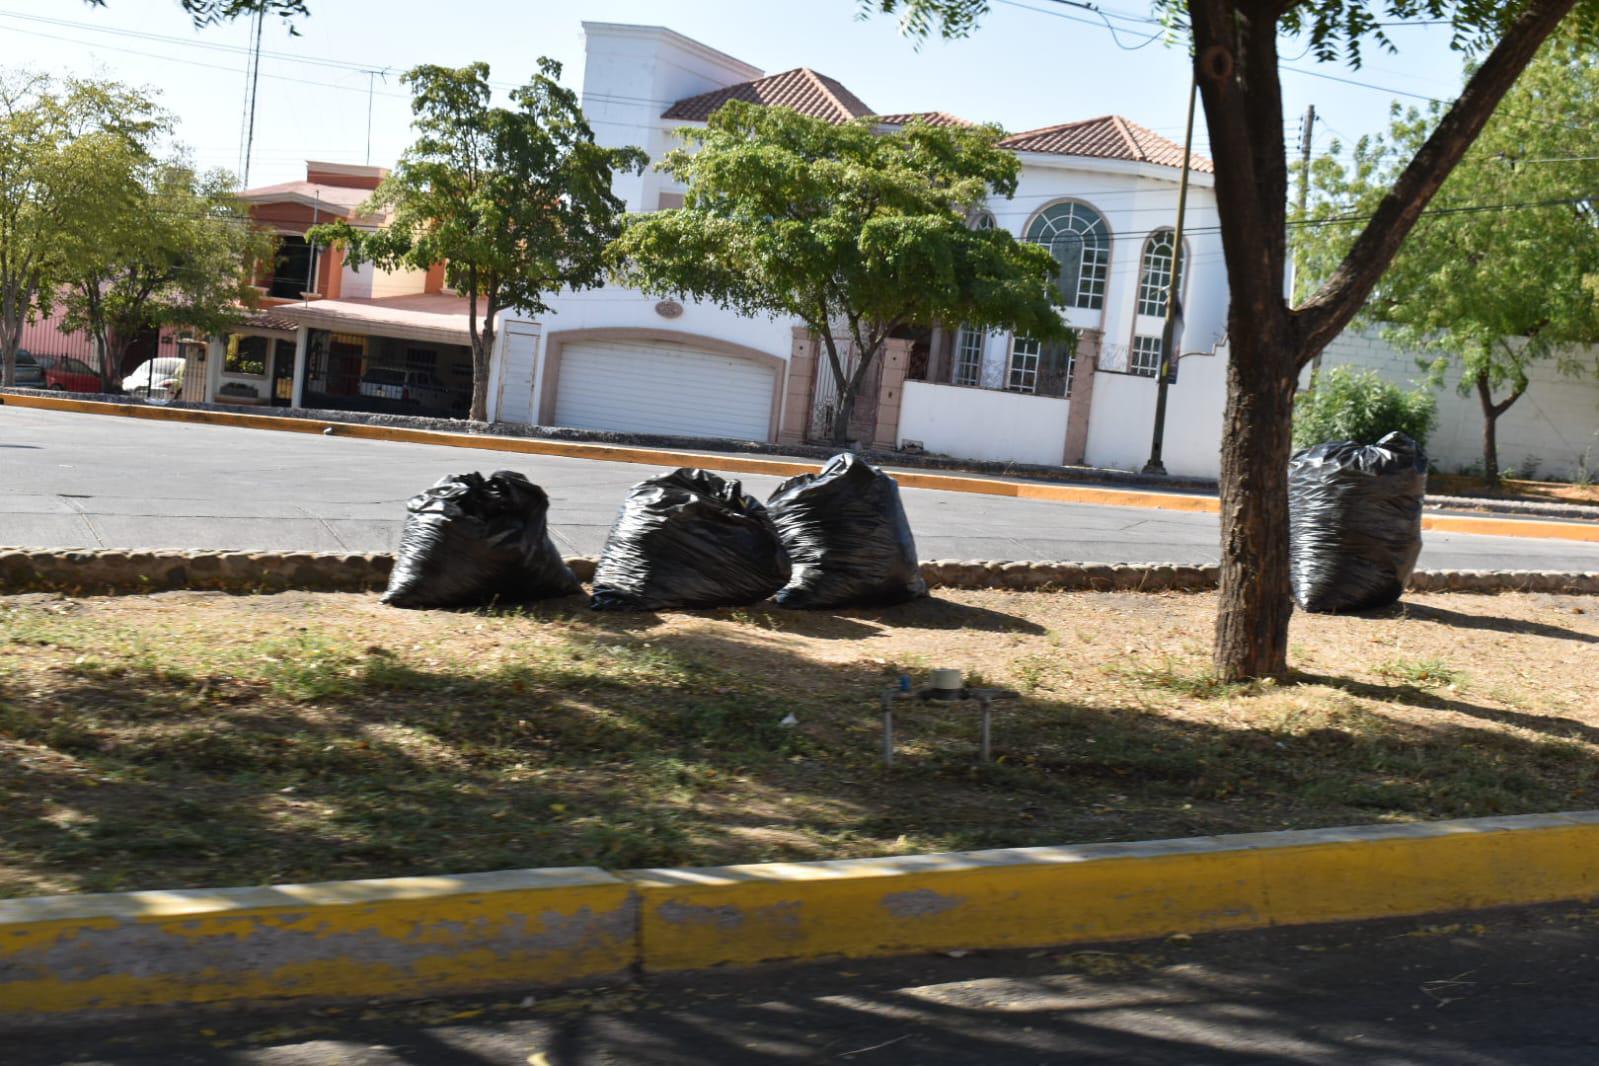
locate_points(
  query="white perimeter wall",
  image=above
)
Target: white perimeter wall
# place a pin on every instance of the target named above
(974, 423)
(1555, 423)
(1123, 419)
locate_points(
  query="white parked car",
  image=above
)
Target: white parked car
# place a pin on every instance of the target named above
(161, 378)
(407, 386)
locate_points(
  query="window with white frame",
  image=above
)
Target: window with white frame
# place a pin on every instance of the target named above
(968, 369)
(1144, 358)
(1154, 274)
(980, 219)
(1023, 373)
(1080, 242)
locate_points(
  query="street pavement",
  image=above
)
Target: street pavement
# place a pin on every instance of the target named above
(72, 480)
(1485, 989)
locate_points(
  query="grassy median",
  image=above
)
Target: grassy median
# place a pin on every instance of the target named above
(194, 739)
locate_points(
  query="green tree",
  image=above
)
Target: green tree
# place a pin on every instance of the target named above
(1235, 61)
(842, 227)
(168, 247)
(1487, 292)
(515, 202)
(58, 143)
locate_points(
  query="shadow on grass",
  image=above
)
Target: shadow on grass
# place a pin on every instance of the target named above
(620, 750)
(1459, 620)
(1555, 726)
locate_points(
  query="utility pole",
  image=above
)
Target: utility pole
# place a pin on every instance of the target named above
(253, 76)
(1168, 358)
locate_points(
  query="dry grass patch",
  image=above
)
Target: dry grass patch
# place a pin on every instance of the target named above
(199, 739)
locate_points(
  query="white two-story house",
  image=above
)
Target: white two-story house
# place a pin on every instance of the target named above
(1100, 193)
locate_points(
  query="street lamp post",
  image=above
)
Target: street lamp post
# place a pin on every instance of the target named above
(1168, 358)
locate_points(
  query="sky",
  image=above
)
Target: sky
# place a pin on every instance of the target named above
(1031, 63)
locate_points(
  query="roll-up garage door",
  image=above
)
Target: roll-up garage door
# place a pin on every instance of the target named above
(662, 387)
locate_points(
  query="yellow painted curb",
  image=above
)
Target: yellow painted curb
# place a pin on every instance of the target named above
(744, 464)
(408, 936)
(434, 935)
(1539, 529)
(1036, 896)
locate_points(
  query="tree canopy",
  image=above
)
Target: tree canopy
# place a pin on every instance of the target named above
(1235, 61)
(848, 228)
(167, 247)
(515, 202)
(64, 148)
(1501, 273)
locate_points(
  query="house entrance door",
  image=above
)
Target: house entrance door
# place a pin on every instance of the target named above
(282, 373)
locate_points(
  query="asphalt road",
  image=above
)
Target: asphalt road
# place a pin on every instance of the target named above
(1511, 987)
(83, 481)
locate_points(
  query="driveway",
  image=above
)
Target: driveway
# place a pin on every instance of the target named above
(72, 480)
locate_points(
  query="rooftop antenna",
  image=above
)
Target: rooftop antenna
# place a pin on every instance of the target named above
(371, 84)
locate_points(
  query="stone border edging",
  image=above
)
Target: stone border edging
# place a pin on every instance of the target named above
(778, 461)
(110, 571)
(66, 956)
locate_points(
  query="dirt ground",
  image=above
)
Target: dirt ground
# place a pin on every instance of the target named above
(193, 739)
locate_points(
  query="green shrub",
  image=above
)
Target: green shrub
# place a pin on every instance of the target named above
(1357, 405)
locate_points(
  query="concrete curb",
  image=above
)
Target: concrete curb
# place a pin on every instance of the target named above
(111, 572)
(745, 464)
(70, 955)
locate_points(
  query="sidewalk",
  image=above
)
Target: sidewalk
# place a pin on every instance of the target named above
(1484, 989)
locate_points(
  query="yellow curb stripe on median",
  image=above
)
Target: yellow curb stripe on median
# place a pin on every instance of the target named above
(476, 932)
(746, 464)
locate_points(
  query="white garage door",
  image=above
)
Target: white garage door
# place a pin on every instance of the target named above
(660, 387)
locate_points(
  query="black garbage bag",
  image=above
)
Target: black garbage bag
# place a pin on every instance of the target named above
(847, 536)
(471, 540)
(1354, 522)
(689, 539)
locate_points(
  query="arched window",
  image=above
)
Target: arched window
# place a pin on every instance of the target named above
(1076, 236)
(980, 219)
(1154, 274)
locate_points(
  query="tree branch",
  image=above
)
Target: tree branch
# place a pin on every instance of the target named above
(1326, 314)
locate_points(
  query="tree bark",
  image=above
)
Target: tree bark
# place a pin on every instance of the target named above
(1489, 437)
(1235, 63)
(1254, 603)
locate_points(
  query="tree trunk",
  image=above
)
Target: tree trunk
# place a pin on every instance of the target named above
(1255, 599)
(841, 416)
(1490, 433)
(1490, 422)
(479, 411)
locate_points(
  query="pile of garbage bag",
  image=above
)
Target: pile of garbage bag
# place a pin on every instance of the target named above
(846, 533)
(1354, 522)
(472, 540)
(689, 539)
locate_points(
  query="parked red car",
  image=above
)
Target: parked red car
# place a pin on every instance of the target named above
(67, 373)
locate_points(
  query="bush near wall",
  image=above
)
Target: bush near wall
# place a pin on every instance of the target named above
(1348, 404)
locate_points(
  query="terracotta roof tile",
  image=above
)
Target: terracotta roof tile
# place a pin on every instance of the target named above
(932, 118)
(1107, 137)
(802, 89)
